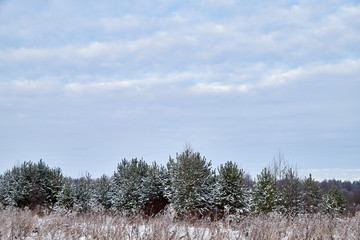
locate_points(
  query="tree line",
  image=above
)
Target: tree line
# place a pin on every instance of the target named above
(187, 183)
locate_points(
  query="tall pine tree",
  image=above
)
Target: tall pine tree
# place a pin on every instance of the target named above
(312, 196)
(265, 195)
(290, 187)
(84, 193)
(192, 182)
(231, 189)
(154, 190)
(66, 197)
(335, 202)
(31, 185)
(103, 193)
(129, 185)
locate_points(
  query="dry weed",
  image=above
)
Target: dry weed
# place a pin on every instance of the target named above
(26, 224)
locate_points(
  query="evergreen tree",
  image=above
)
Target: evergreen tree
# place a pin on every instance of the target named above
(103, 193)
(7, 187)
(312, 196)
(192, 182)
(335, 201)
(290, 188)
(154, 183)
(66, 197)
(232, 192)
(84, 201)
(129, 185)
(265, 195)
(154, 189)
(31, 185)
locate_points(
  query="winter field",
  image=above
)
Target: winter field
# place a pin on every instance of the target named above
(26, 224)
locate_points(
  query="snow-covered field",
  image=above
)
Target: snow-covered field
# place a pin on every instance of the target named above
(25, 224)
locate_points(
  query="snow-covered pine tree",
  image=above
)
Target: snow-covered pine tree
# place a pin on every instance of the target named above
(290, 187)
(56, 180)
(7, 188)
(2, 190)
(265, 195)
(311, 196)
(31, 185)
(192, 183)
(103, 193)
(154, 190)
(84, 201)
(335, 202)
(129, 185)
(66, 196)
(231, 189)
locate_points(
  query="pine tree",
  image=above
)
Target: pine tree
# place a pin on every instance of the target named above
(192, 182)
(84, 201)
(265, 195)
(290, 187)
(31, 185)
(66, 197)
(129, 185)
(154, 189)
(56, 180)
(232, 192)
(335, 201)
(103, 193)
(312, 196)
(2, 190)
(155, 183)
(7, 188)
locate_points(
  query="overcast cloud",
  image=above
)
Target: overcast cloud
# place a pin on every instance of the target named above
(84, 84)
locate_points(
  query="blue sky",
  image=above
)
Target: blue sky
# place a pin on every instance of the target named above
(85, 84)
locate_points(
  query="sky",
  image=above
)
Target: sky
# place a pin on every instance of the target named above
(84, 84)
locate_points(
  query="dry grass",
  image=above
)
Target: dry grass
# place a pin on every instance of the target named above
(26, 224)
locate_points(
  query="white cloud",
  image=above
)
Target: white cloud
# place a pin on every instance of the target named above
(263, 73)
(218, 88)
(254, 78)
(44, 86)
(170, 43)
(101, 86)
(334, 173)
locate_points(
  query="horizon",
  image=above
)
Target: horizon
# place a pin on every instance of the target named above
(316, 174)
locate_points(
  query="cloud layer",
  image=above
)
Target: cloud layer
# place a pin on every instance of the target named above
(238, 80)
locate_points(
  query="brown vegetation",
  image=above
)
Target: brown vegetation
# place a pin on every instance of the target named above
(27, 224)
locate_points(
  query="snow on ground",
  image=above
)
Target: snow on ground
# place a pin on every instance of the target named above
(29, 226)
